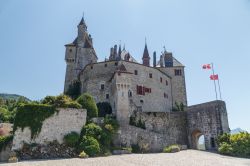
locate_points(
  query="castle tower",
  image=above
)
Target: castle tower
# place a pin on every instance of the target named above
(146, 57)
(78, 54)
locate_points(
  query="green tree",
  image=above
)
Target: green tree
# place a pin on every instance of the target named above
(74, 90)
(87, 102)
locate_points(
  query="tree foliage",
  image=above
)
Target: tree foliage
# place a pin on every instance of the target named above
(87, 102)
(74, 90)
(235, 144)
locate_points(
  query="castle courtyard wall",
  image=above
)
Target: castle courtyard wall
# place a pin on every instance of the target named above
(54, 128)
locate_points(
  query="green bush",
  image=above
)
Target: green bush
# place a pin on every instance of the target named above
(224, 138)
(32, 115)
(136, 148)
(71, 139)
(179, 107)
(92, 130)
(61, 101)
(87, 102)
(172, 149)
(139, 123)
(90, 145)
(225, 148)
(104, 108)
(4, 141)
(5, 115)
(111, 121)
(83, 155)
(235, 145)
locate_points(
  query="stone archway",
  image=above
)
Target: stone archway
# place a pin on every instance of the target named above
(196, 135)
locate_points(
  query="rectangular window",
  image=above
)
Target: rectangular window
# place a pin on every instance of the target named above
(102, 86)
(91, 67)
(165, 95)
(167, 82)
(150, 75)
(161, 79)
(178, 72)
(105, 65)
(107, 96)
(140, 90)
(116, 63)
(136, 72)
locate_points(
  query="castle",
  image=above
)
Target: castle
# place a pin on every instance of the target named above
(143, 93)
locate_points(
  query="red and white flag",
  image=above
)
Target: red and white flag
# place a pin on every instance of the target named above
(206, 66)
(214, 77)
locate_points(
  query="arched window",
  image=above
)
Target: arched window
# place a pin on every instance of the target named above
(129, 93)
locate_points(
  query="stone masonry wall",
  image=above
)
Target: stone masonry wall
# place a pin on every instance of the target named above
(208, 119)
(53, 129)
(162, 129)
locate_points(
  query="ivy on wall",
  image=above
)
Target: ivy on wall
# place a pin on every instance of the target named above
(32, 116)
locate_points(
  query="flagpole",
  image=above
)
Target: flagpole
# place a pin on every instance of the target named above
(214, 82)
(219, 88)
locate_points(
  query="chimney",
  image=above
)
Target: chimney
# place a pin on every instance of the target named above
(154, 59)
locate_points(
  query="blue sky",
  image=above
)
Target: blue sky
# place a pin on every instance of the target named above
(33, 34)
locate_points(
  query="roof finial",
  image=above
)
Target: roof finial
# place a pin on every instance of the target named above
(145, 40)
(164, 49)
(83, 15)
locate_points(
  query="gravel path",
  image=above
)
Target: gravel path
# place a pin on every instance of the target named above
(183, 158)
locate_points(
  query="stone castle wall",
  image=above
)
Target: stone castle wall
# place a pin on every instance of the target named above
(53, 129)
(158, 100)
(178, 84)
(161, 130)
(208, 119)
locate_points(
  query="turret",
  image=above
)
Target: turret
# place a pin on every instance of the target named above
(78, 54)
(146, 57)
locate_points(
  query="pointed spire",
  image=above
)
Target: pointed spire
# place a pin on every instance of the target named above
(146, 57)
(145, 53)
(82, 22)
(123, 48)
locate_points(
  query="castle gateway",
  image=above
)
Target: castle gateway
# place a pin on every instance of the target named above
(143, 94)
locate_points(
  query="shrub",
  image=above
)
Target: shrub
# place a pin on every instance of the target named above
(111, 121)
(224, 138)
(92, 130)
(136, 148)
(236, 144)
(225, 148)
(90, 145)
(71, 139)
(5, 115)
(87, 102)
(104, 109)
(172, 149)
(139, 123)
(4, 141)
(178, 107)
(83, 155)
(61, 101)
